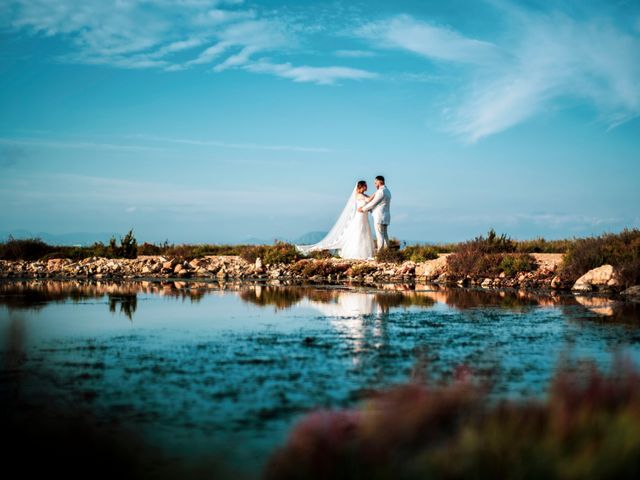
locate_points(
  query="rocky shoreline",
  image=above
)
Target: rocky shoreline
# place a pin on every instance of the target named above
(327, 271)
(235, 268)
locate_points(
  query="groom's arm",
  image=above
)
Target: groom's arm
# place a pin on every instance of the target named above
(377, 198)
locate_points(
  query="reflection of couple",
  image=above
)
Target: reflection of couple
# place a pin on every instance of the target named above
(351, 234)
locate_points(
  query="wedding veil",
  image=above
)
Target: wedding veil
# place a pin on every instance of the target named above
(336, 236)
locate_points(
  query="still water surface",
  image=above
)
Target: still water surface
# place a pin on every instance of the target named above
(201, 367)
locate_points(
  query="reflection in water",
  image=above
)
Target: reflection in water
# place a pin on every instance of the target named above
(123, 297)
(128, 304)
(207, 365)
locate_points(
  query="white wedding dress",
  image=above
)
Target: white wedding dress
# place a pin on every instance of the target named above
(358, 243)
(351, 235)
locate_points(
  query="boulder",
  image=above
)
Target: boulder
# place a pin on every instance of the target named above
(432, 268)
(601, 278)
(632, 293)
(170, 265)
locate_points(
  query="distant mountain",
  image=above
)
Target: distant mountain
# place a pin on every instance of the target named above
(75, 238)
(309, 238)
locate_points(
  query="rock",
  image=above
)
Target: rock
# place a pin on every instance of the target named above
(486, 283)
(171, 264)
(258, 265)
(432, 268)
(632, 293)
(601, 278)
(556, 283)
(179, 268)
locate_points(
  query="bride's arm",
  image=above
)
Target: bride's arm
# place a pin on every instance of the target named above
(373, 200)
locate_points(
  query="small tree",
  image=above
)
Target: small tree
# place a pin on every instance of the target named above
(128, 246)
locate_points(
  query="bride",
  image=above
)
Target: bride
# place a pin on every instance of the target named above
(351, 234)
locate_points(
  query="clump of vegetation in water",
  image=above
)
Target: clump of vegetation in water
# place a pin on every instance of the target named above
(587, 427)
(621, 250)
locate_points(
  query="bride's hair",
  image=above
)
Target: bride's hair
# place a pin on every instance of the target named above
(361, 184)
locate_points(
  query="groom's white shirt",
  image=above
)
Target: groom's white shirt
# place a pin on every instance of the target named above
(380, 206)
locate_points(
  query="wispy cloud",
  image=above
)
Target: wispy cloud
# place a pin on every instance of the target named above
(319, 75)
(33, 142)
(555, 57)
(355, 53)
(173, 36)
(245, 146)
(428, 40)
(542, 60)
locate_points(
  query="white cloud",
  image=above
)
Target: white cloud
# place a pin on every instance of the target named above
(319, 75)
(425, 39)
(355, 53)
(33, 142)
(247, 146)
(555, 58)
(544, 59)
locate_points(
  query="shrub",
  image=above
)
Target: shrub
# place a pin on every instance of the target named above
(621, 250)
(540, 245)
(513, 264)
(26, 249)
(480, 257)
(362, 269)
(321, 254)
(281, 252)
(389, 255)
(149, 249)
(128, 247)
(420, 253)
(324, 268)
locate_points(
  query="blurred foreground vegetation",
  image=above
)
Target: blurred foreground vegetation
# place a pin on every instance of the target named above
(588, 427)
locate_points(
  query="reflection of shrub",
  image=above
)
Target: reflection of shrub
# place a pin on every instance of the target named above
(588, 427)
(621, 250)
(513, 264)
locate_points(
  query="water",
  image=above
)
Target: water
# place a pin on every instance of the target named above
(202, 369)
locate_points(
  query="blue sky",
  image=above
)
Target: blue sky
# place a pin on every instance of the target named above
(220, 121)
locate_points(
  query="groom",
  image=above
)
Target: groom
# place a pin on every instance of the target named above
(380, 204)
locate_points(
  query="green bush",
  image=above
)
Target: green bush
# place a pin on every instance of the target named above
(621, 250)
(281, 252)
(512, 264)
(540, 245)
(362, 269)
(128, 247)
(324, 268)
(420, 253)
(389, 255)
(480, 257)
(26, 249)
